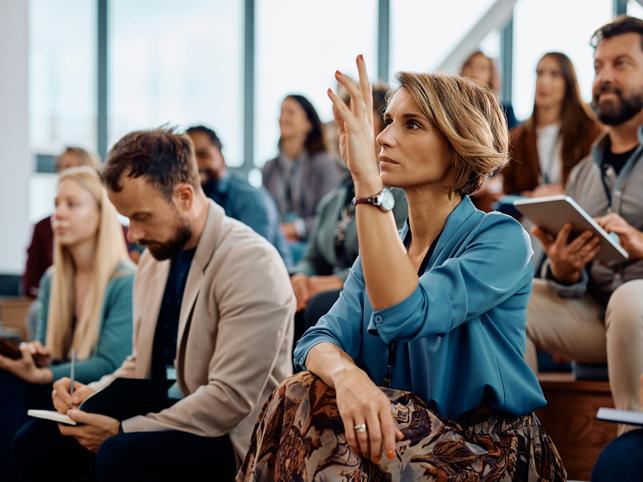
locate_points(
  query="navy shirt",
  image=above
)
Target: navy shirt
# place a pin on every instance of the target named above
(253, 207)
(167, 326)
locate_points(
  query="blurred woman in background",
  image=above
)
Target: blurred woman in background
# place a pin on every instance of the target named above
(557, 136)
(483, 69)
(302, 173)
(480, 67)
(41, 248)
(85, 304)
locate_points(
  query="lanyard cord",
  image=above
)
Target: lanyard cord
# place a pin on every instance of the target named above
(388, 378)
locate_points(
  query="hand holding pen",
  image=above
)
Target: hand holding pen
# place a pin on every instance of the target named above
(68, 393)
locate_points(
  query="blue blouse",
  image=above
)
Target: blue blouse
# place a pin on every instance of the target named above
(461, 334)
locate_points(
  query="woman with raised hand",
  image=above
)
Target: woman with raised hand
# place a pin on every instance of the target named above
(85, 303)
(436, 314)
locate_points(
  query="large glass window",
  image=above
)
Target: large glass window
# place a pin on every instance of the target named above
(62, 87)
(299, 45)
(635, 8)
(553, 25)
(423, 33)
(177, 62)
(62, 63)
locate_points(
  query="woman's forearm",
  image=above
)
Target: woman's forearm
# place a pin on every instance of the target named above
(328, 362)
(388, 273)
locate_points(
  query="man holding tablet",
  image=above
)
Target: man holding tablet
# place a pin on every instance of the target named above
(586, 310)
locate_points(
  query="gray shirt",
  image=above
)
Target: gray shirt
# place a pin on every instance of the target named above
(297, 186)
(600, 191)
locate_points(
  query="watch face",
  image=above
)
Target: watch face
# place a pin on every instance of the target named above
(387, 201)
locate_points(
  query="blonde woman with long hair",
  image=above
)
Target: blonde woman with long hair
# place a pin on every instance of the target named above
(417, 372)
(85, 302)
(40, 252)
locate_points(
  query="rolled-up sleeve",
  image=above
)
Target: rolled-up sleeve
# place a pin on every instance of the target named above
(493, 266)
(342, 324)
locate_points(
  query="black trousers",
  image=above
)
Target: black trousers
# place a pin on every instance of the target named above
(16, 397)
(40, 452)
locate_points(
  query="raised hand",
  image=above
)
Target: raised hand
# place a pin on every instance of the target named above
(355, 126)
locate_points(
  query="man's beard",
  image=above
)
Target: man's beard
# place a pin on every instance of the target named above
(170, 248)
(616, 113)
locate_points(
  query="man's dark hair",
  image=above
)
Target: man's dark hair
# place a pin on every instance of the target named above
(162, 156)
(209, 133)
(619, 26)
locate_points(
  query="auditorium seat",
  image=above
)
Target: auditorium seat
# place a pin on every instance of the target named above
(570, 420)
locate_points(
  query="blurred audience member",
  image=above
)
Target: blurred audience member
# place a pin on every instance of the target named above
(587, 310)
(480, 67)
(302, 173)
(40, 251)
(85, 304)
(240, 200)
(557, 136)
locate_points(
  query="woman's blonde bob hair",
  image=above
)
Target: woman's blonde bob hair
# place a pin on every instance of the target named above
(471, 121)
(110, 251)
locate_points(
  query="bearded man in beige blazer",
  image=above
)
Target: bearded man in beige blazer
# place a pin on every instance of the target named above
(229, 333)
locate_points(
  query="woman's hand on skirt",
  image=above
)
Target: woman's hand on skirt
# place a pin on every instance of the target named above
(361, 402)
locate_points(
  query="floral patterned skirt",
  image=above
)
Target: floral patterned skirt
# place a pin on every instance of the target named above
(300, 437)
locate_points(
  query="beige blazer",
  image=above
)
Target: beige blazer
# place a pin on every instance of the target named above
(235, 335)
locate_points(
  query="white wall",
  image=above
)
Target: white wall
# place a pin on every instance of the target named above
(15, 159)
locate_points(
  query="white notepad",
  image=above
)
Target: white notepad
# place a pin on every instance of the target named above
(620, 416)
(51, 415)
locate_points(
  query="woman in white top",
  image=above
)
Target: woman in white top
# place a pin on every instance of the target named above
(557, 136)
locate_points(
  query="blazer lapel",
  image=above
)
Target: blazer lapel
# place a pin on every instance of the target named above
(204, 251)
(192, 287)
(150, 307)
